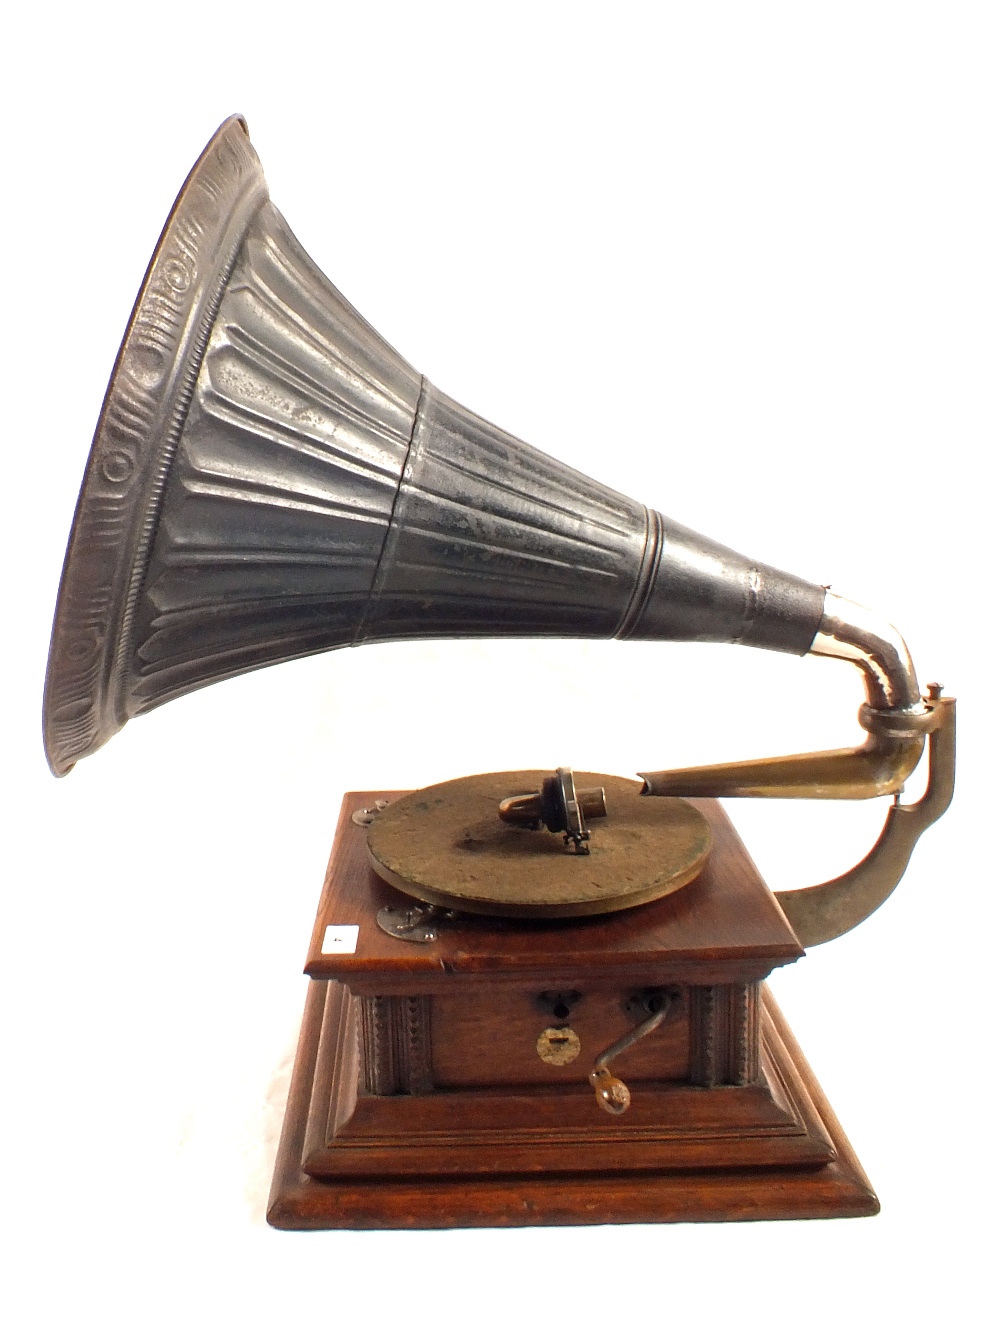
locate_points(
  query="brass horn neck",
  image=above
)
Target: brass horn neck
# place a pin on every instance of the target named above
(895, 716)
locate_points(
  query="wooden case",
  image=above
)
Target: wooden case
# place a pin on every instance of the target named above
(419, 1098)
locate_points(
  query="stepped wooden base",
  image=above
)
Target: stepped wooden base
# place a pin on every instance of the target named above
(419, 1098)
(837, 1188)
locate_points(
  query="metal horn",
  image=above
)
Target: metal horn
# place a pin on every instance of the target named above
(270, 479)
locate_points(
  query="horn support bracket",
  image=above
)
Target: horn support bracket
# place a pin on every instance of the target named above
(880, 767)
(825, 911)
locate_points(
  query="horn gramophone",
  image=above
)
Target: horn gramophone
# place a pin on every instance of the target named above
(536, 997)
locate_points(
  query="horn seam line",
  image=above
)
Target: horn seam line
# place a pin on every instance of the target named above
(752, 605)
(374, 588)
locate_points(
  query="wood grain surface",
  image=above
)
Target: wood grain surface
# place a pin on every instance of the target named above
(724, 926)
(827, 1181)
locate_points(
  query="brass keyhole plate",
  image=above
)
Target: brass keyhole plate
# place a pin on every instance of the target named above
(558, 1046)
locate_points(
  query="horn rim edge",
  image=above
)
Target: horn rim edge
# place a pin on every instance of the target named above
(140, 423)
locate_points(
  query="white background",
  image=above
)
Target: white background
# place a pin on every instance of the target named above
(738, 261)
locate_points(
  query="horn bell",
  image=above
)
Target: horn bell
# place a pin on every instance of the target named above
(269, 479)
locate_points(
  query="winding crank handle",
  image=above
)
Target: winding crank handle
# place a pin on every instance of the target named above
(611, 1093)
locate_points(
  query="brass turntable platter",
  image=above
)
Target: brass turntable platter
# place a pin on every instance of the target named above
(446, 845)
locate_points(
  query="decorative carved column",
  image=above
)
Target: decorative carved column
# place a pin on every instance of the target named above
(725, 1035)
(395, 1044)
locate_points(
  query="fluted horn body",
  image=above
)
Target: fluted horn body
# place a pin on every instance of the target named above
(270, 479)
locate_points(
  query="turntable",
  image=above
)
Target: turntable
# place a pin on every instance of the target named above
(536, 997)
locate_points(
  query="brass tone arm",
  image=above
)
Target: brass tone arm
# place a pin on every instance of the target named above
(877, 768)
(895, 716)
(897, 720)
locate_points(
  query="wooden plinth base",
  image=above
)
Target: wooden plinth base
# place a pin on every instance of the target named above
(838, 1188)
(422, 1098)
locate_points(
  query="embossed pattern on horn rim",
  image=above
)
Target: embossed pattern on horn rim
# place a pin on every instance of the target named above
(139, 426)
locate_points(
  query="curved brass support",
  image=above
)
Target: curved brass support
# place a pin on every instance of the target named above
(825, 911)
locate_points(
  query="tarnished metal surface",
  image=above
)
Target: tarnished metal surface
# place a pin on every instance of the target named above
(558, 1046)
(880, 767)
(445, 845)
(270, 479)
(92, 655)
(825, 911)
(858, 635)
(559, 807)
(367, 815)
(611, 1092)
(416, 925)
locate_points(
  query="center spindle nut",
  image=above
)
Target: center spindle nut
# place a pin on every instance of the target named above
(559, 807)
